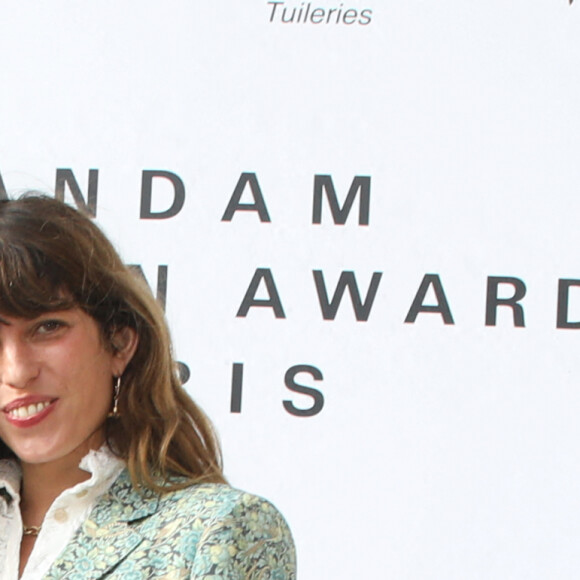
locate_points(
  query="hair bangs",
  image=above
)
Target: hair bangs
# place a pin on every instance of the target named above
(30, 285)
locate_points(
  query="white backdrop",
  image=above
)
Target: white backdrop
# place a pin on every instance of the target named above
(440, 450)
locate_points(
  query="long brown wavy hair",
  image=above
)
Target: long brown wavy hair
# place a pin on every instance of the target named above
(52, 257)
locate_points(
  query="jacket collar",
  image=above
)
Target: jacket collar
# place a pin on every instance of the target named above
(106, 537)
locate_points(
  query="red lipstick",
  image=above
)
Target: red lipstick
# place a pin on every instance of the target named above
(33, 419)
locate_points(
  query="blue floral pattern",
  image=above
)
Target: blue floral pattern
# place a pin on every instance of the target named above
(203, 532)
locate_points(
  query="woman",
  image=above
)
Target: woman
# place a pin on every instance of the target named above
(107, 468)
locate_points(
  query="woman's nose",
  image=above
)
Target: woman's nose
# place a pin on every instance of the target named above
(17, 366)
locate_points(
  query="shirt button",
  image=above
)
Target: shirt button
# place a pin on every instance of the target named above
(61, 515)
(82, 493)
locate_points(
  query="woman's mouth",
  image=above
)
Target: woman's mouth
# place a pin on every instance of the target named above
(28, 413)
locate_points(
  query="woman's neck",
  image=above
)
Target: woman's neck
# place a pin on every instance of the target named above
(42, 483)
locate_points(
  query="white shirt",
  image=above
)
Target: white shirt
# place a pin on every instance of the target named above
(68, 511)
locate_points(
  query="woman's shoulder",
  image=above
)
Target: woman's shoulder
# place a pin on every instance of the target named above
(235, 532)
(219, 502)
(198, 500)
(211, 495)
(209, 530)
(243, 532)
(207, 506)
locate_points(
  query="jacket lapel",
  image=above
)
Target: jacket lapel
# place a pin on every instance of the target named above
(107, 536)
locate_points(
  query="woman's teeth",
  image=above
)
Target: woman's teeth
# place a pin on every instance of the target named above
(28, 410)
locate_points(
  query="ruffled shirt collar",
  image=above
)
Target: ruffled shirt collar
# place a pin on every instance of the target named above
(63, 518)
(10, 477)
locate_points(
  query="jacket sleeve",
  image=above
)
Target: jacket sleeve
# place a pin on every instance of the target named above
(253, 542)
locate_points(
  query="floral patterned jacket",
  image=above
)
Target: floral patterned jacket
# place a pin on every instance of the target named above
(204, 532)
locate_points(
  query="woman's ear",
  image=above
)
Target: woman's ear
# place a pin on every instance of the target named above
(124, 342)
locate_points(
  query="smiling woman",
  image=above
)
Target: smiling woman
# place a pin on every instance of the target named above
(107, 467)
(66, 348)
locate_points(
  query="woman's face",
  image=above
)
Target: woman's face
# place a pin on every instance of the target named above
(56, 378)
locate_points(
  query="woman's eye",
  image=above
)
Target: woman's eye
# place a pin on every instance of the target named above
(48, 326)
